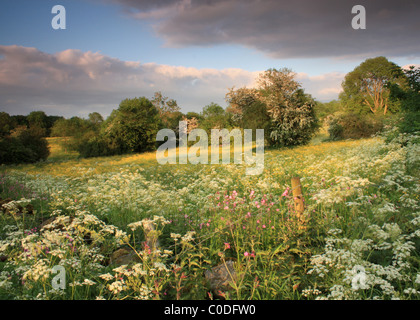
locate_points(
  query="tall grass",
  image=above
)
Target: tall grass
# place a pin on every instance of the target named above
(361, 210)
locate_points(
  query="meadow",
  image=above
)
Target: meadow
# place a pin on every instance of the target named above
(357, 239)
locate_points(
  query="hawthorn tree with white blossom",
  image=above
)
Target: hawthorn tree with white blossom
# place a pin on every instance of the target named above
(281, 104)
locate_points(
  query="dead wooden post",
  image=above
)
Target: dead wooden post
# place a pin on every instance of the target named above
(298, 196)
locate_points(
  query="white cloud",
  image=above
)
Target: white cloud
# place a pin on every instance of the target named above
(324, 87)
(73, 82)
(407, 66)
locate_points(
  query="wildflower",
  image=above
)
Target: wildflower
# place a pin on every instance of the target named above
(117, 286)
(106, 277)
(175, 236)
(246, 253)
(188, 236)
(227, 245)
(88, 282)
(359, 278)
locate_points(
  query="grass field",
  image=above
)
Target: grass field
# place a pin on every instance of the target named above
(357, 239)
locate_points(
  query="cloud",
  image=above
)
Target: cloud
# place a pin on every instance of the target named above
(76, 83)
(324, 87)
(286, 29)
(73, 82)
(407, 66)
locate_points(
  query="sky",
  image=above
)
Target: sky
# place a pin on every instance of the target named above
(192, 51)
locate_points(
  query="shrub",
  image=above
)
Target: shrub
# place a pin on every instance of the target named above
(24, 145)
(93, 147)
(335, 130)
(353, 126)
(410, 122)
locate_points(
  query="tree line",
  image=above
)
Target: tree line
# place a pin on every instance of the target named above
(373, 91)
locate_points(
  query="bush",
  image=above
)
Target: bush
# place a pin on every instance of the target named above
(335, 130)
(23, 145)
(410, 122)
(132, 127)
(94, 147)
(292, 111)
(296, 124)
(353, 126)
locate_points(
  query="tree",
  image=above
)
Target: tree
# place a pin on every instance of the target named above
(23, 145)
(172, 120)
(413, 75)
(240, 100)
(168, 109)
(72, 127)
(278, 105)
(248, 112)
(367, 88)
(213, 116)
(133, 126)
(38, 119)
(192, 114)
(291, 110)
(409, 97)
(20, 120)
(6, 123)
(412, 92)
(95, 118)
(193, 120)
(325, 109)
(51, 120)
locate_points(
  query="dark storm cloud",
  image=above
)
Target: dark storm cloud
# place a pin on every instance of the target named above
(287, 29)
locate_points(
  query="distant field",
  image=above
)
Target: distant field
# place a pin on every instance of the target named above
(361, 213)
